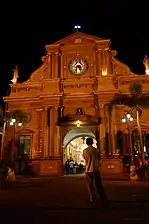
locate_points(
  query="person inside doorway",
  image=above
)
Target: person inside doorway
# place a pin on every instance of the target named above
(71, 165)
(93, 178)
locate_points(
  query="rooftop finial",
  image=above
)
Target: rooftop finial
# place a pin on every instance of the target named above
(77, 27)
(146, 64)
(15, 75)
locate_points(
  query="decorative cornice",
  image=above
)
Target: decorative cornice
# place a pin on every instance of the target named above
(127, 80)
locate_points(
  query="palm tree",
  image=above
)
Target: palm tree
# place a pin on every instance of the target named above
(136, 99)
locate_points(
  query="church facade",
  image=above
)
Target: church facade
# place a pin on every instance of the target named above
(66, 97)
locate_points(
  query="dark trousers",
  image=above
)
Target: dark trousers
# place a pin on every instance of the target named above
(94, 180)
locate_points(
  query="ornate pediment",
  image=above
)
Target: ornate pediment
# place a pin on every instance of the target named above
(25, 131)
(77, 38)
(41, 73)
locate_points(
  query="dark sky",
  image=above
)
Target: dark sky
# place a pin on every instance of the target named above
(26, 29)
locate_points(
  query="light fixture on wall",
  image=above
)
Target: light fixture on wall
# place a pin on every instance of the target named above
(78, 123)
(104, 72)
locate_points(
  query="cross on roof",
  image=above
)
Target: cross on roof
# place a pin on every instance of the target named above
(77, 27)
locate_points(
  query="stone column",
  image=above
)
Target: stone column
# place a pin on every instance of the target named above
(46, 133)
(51, 119)
(56, 134)
(102, 131)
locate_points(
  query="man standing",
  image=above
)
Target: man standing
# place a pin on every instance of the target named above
(91, 156)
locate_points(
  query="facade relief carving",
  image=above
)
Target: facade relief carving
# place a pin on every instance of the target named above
(77, 86)
(20, 88)
(42, 73)
(119, 67)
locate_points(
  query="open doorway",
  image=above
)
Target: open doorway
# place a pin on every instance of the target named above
(73, 145)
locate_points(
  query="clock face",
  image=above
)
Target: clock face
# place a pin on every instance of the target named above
(78, 66)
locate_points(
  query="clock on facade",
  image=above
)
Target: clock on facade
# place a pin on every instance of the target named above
(78, 66)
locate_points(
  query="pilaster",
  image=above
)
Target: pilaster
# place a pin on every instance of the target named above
(50, 64)
(56, 134)
(56, 63)
(103, 60)
(40, 122)
(51, 119)
(46, 133)
(102, 131)
(62, 65)
(53, 65)
(100, 61)
(114, 133)
(110, 134)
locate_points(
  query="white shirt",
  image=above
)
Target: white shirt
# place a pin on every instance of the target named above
(91, 156)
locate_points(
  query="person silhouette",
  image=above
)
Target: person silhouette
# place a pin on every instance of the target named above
(92, 156)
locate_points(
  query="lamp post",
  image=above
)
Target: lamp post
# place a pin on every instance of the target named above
(3, 138)
(14, 123)
(127, 118)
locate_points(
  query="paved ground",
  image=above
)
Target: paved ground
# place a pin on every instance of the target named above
(48, 200)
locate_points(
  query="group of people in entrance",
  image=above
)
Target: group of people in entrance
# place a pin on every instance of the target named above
(72, 167)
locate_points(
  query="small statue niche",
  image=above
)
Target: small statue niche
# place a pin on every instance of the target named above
(79, 111)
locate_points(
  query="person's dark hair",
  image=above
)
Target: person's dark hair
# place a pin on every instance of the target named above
(89, 141)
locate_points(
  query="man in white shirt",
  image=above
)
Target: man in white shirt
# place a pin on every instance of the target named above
(92, 156)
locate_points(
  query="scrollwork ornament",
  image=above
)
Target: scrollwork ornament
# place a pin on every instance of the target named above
(115, 81)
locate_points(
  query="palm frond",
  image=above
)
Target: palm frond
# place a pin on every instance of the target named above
(136, 90)
(134, 99)
(19, 115)
(1, 116)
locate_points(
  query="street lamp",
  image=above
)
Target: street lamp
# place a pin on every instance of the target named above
(127, 118)
(13, 122)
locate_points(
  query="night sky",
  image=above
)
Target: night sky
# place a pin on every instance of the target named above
(26, 30)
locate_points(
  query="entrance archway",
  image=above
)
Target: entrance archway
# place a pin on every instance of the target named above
(74, 143)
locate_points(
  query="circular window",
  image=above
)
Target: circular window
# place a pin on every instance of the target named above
(78, 66)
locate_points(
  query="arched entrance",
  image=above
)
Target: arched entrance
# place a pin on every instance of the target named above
(74, 143)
